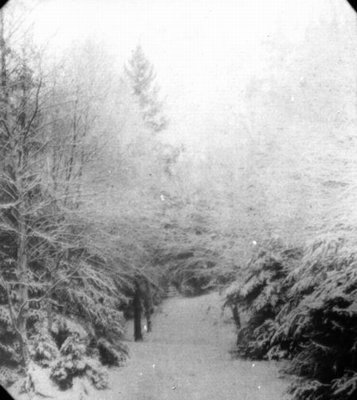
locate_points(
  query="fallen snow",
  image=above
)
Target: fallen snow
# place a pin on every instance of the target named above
(186, 357)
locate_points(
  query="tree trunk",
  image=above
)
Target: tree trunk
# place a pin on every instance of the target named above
(25, 357)
(137, 314)
(236, 316)
(23, 290)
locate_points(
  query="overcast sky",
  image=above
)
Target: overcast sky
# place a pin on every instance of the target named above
(204, 51)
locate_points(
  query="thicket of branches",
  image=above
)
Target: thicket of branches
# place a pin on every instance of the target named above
(73, 250)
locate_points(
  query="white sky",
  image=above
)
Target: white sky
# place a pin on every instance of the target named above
(203, 50)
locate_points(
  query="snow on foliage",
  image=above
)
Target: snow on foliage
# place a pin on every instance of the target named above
(302, 307)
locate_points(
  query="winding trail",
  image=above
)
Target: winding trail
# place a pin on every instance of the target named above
(187, 357)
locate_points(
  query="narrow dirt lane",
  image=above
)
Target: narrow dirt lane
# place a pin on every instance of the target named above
(187, 357)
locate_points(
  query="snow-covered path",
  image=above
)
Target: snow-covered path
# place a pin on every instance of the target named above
(186, 357)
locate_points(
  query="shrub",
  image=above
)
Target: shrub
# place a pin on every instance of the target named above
(9, 350)
(263, 293)
(324, 326)
(64, 327)
(75, 362)
(9, 355)
(305, 310)
(109, 354)
(43, 348)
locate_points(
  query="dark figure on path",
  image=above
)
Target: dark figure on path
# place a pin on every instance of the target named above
(142, 301)
(137, 313)
(148, 305)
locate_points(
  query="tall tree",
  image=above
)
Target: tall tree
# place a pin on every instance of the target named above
(141, 75)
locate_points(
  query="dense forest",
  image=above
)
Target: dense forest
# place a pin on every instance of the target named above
(101, 214)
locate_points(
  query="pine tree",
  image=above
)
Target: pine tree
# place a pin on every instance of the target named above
(141, 75)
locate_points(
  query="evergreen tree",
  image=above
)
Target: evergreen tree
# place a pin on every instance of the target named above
(141, 75)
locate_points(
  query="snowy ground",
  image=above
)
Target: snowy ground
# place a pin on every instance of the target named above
(187, 357)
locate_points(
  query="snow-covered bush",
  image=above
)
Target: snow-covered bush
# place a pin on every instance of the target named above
(323, 325)
(43, 348)
(304, 309)
(9, 354)
(74, 361)
(262, 294)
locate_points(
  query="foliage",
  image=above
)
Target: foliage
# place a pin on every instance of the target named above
(324, 323)
(43, 348)
(191, 248)
(263, 293)
(8, 343)
(65, 270)
(10, 358)
(74, 362)
(141, 76)
(311, 318)
(63, 327)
